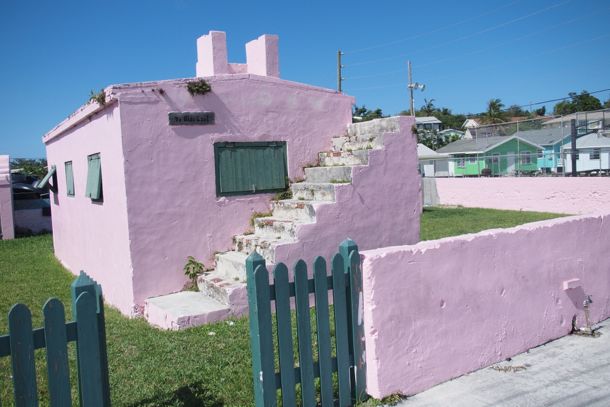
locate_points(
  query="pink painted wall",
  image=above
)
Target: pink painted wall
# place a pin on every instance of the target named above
(381, 207)
(545, 194)
(172, 206)
(7, 223)
(91, 236)
(439, 309)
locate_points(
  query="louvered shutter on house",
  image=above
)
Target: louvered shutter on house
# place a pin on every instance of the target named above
(94, 177)
(69, 178)
(249, 168)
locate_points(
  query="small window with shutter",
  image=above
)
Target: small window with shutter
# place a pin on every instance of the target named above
(94, 178)
(250, 167)
(69, 178)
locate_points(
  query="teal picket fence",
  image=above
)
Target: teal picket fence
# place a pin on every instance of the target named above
(340, 377)
(87, 330)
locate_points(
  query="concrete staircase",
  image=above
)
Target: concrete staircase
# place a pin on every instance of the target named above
(224, 289)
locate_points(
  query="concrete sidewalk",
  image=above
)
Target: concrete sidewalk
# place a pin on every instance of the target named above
(571, 371)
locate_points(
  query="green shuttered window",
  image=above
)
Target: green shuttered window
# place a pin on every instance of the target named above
(69, 179)
(94, 178)
(47, 178)
(250, 168)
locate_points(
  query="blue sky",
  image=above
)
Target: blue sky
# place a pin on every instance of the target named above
(54, 53)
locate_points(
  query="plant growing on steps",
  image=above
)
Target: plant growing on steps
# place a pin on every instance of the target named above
(256, 215)
(198, 87)
(192, 270)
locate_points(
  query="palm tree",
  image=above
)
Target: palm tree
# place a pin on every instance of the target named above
(428, 107)
(494, 112)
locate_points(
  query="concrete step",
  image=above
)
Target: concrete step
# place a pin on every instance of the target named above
(231, 265)
(329, 174)
(300, 211)
(265, 246)
(281, 229)
(183, 310)
(313, 191)
(353, 145)
(225, 291)
(334, 158)
(375, 127)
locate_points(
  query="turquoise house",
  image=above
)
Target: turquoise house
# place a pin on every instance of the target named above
(551, 140)
(492, 156)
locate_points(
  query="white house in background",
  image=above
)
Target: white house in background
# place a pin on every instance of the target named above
(450, 133)
(428, 123)
(592, 153)
(586, 122)
(431, 163)
(470, 125)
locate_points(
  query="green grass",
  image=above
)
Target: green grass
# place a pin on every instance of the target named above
(204, 366)
(442, 222)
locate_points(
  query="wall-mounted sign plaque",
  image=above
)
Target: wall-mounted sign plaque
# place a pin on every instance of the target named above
(190, 118)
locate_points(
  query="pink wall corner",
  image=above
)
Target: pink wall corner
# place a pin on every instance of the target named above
(380, 208)
(7, 221)
(212, 54)
(262, 56)
(170, 175)
(569, 195)
(440, 309)
(87, 235)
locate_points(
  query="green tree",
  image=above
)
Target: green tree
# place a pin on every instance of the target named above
(516, 111)
(607, 104)
(494, 113)
(583, 102)
(366, 114)
(541, 111)
(36, 167)
(428, 108)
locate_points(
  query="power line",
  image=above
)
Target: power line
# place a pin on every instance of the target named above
(488, 29)
(525, 58)
(390, 43)
(387, 73)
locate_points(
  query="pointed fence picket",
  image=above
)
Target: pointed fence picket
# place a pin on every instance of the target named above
(87, 330)
(348, 365)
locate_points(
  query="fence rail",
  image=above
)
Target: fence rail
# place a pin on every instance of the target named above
(348, 364)
(592, 161)
(87, 331)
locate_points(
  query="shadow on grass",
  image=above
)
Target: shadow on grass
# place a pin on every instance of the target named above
(192, 395)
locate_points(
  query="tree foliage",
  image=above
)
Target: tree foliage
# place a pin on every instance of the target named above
(30, 166)
(583, 102)
(494, 112)
(366, 114)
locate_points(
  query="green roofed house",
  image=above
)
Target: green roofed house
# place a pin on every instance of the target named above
(492, 156)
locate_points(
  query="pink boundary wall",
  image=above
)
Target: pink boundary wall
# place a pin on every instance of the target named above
(544, 194)
(7, 221)
(439, 309)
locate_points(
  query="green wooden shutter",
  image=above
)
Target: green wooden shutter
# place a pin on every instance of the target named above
(69, 179)
(250, 168)
(43, 182)
(94, 177)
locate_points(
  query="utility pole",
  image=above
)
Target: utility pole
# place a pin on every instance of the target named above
(412, 86)
(573, 145)
(411, 100)
(339, 71)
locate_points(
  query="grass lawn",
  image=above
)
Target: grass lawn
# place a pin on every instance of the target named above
(205, 366)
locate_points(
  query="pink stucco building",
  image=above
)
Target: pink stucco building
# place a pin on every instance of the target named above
(138, 175)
